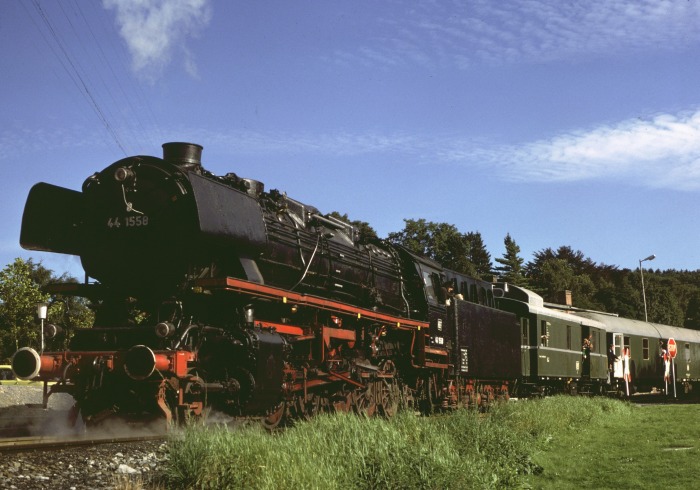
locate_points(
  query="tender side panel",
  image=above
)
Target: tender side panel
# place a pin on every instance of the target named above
(487, 341)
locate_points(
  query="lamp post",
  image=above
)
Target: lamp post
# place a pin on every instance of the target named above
(41, 311)
(644, 295)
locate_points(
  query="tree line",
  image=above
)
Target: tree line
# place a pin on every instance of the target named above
(673, 297)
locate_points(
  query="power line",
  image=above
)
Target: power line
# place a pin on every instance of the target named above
(74, 73)
(136, 115)
(141, 101)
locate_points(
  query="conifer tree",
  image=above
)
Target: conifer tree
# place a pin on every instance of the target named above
(479, 256)
(511, 268)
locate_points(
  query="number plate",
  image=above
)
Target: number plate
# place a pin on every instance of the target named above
(127, 221)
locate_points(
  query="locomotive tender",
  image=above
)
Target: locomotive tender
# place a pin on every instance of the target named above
(212, 292)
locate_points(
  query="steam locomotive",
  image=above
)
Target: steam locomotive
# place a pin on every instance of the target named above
(211, 293)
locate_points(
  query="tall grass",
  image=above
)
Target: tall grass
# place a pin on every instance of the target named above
(463, 449)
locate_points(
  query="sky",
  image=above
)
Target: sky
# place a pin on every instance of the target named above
(562, 123)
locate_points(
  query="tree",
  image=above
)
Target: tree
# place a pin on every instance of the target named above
(551, 273)
(21, 286)
(664, 307)
(440, 242)
(511, 268)
(365, 231)
(19, 294)
(555, 276)
(692, 312)
(479, 256)
(662, 304)
(620, 294)
(579, 263)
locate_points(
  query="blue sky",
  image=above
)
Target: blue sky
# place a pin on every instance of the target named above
(562, 123)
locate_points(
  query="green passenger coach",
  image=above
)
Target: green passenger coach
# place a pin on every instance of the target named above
(647, 347)
(560, 352)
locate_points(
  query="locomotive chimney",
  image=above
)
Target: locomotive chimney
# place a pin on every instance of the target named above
(185, 155)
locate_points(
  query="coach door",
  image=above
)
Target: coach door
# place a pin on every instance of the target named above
(688, 372)
(618, 343)
(525, 350)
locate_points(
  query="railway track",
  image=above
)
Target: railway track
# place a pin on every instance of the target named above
(15, 444)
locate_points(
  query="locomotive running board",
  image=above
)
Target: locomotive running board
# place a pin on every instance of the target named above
(241, 286)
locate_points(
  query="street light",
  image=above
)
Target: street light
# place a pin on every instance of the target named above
(644, 295)
(41, 311)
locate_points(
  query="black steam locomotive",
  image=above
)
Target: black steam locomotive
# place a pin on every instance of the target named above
(212, 292)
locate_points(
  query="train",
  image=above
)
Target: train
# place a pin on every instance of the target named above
(211, 293)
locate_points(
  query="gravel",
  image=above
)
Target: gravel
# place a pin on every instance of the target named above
(98, 467)
(106, 466)
(13, 395)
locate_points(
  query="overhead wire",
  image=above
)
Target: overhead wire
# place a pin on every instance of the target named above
(98, 73)
(136, 110)
(75, 75)
(93, 77)
(51, 66)
(142, 102)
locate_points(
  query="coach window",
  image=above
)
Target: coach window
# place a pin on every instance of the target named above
(472, 293)
(489, 298)
(626, 341)
(544, 333)
(524, 322)
(645, 349)
(596, 345)
(687, 352)
(568, 337)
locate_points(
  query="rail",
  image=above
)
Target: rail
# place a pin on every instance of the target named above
(17, 444)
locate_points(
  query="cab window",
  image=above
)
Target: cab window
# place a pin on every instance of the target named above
(429, 288)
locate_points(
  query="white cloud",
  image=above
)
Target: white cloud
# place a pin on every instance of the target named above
(655, 152)
(153, 28)
(663, 151)
(484, 31)
(658, 152)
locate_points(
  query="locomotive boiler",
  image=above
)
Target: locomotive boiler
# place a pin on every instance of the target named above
(211, 292)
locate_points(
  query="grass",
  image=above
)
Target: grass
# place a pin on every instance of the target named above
(559, 442)
(656, 446)
(343, 451)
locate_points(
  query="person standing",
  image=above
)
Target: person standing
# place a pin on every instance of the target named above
(611, 362)
(586, 353)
